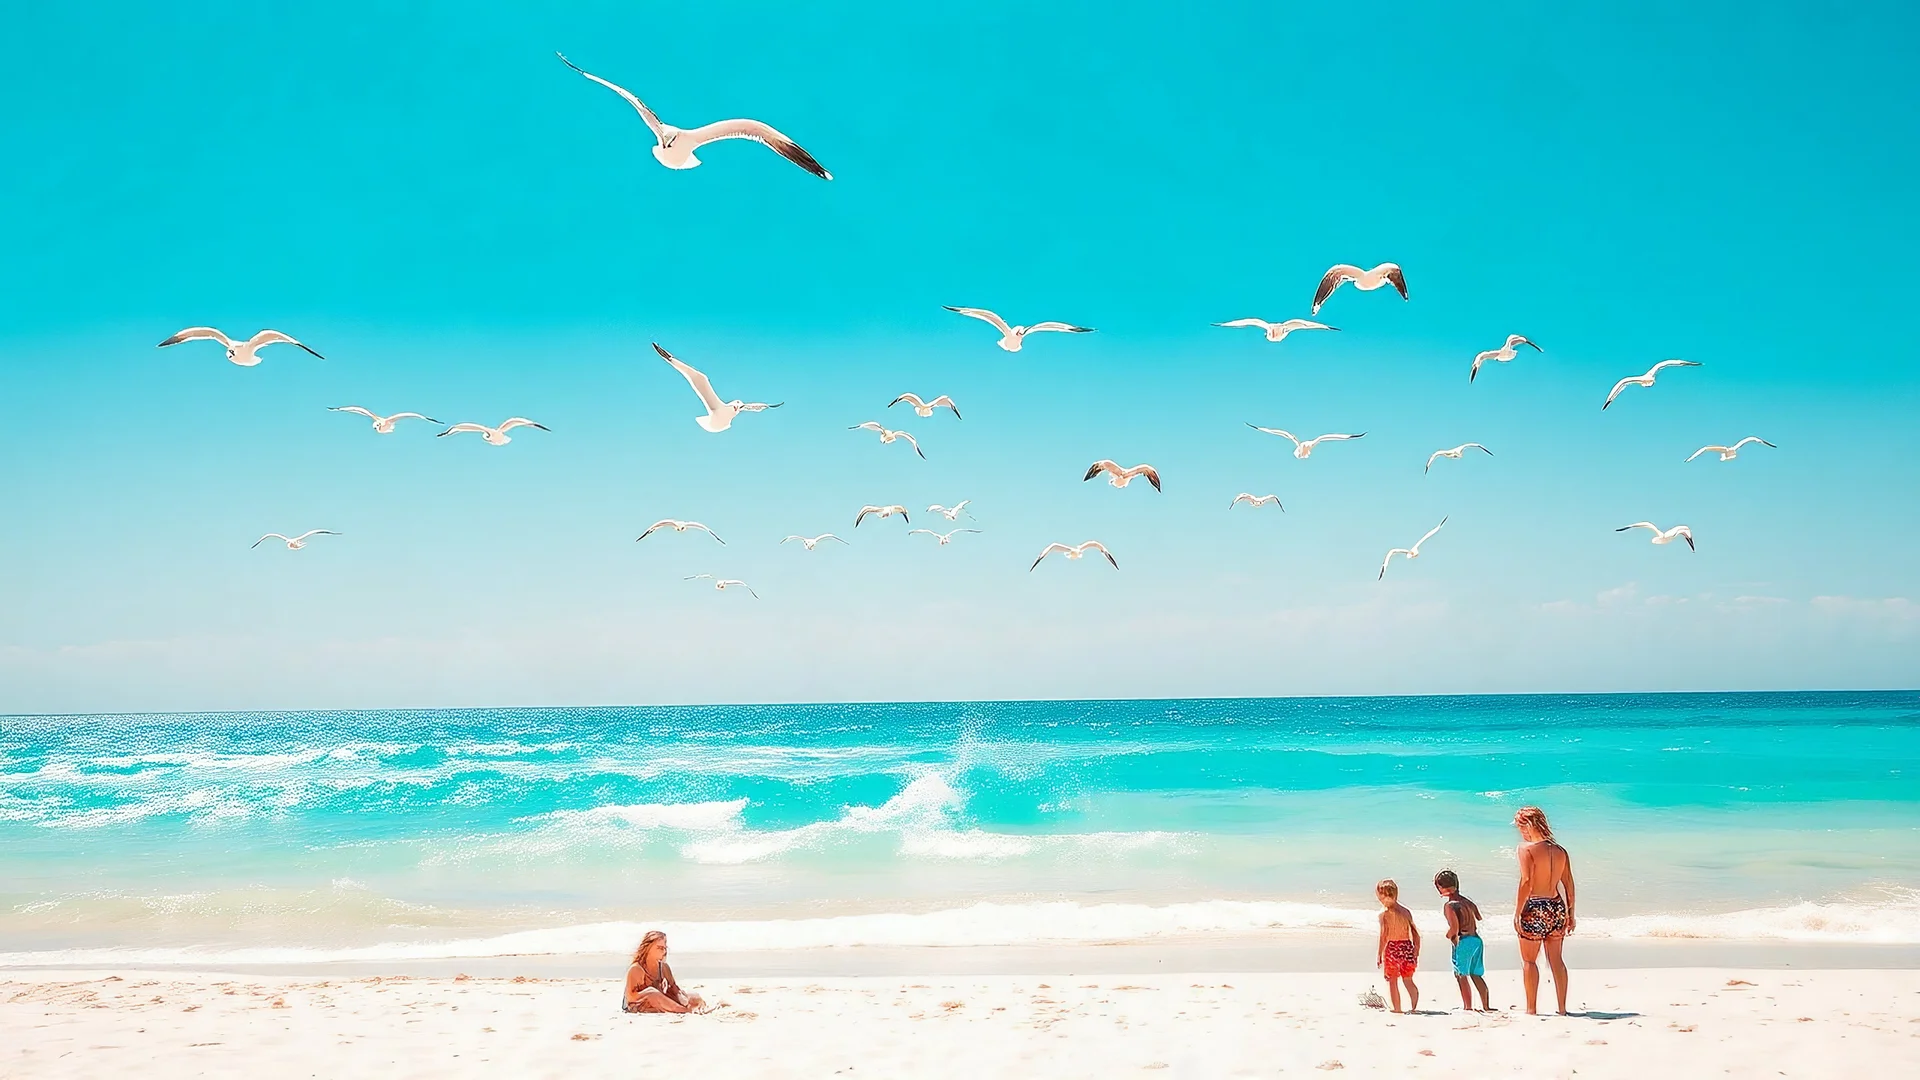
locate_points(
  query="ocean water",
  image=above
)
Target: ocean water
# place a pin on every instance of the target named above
(281, 837)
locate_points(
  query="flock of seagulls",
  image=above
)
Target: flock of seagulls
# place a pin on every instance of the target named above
(676, 148)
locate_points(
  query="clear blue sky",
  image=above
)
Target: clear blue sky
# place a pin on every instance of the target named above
(466, 228)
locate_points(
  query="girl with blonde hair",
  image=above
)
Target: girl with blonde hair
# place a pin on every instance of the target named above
(650, 984)
(1543, 910)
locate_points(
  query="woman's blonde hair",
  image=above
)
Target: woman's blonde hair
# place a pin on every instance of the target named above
(652, 938)
(1536, 819)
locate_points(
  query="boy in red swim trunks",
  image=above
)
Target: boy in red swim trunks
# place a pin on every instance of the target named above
(1399, 945)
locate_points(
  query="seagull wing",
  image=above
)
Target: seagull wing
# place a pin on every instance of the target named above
(1707, 450)
(520, 421)
(911, 399)
(1431, 458)
(1476, 446)
(1152, 474)
(704, 529)
(465, 426)
(828, 536)
(1390, 554)
(1337, 437)
(1399, 279)
(1275, 431)
(1671, 363)
(764, 134)
(1430, 532)
(929, 532)
(1306, 324)
(870, 425)
(1046, 551)
(1059, 327)
(1617, 387)
(275, 337)
(915, 442)
(864, 511)
(1243, 497)
(413, 415)
(983, 315)
(663, 523)
(1753, 438)
(948, 402)
(653, 122)
(1639, 525)
(1261, 323)
(1330, 281)
(1103, 465)
(1102, 549)
(358, 411)
(316, 532)
(695, 378)
(197, 333)
(271, 536)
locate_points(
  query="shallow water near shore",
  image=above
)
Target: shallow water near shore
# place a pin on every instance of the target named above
(413, 835)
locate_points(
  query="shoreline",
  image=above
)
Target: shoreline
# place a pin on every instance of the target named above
(1315, 954)
(1188, 1022)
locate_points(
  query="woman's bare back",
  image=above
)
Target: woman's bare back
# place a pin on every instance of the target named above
(1543, 867)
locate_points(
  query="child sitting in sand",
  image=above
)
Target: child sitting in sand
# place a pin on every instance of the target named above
(650, 983)
(1399, 945)
(1463, 929)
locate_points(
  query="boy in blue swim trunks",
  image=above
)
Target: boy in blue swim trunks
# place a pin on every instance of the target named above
(1463, 929)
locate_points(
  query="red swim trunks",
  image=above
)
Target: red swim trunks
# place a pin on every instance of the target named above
(1401, 959)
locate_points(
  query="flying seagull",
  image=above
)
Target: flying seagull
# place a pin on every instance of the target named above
(723, 583)
(676, 526)
(1012, 336)
(244, 353)
(676, 145)
(1502, 354)
(945, 538)
(1075, 551)
(1412, 552)
(295, 543)
(1256, 500)
(881, 512)
(1728, 453)
(1278, 331)
(887, 435)
(1647, 379)
(951, 513)
(1364, 280)
(1120, 477)
(1303, 450)
(1456, 453)
(497, 436)
(720, 414)
(811, 541)
(925, 408)
(381, 424)
(1678, 532)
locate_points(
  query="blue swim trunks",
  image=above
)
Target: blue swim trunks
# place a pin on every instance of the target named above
(1469, 956)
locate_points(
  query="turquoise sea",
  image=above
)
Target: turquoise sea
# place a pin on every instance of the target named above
(413, 834)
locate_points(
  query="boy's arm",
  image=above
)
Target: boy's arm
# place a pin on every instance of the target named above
(1453, 920)
(1413, 932)
(1380, 951)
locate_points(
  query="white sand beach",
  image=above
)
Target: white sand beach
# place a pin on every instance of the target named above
(1647, 1022)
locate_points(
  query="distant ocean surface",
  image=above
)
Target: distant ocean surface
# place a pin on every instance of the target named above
(289, 837)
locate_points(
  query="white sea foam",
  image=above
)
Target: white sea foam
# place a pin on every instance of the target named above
(1043, 923)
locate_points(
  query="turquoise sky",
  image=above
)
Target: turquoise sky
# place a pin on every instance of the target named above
(466, 228)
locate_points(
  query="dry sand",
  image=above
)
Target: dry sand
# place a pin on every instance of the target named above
(1640, 1023)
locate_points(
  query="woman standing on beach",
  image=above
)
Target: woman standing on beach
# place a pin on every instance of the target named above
(1543, 911)
(650, 983)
